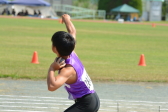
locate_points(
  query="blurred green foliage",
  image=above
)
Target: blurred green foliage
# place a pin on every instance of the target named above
(110, 4)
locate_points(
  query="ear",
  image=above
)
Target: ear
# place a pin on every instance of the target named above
(54, 49)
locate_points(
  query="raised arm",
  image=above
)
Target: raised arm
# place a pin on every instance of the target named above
(69, 25)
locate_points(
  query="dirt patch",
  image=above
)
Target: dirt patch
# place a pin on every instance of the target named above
(85, 20)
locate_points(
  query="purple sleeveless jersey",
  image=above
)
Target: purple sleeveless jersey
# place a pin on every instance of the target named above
(83, 84)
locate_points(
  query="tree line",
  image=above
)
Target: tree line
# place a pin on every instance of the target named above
(107, 4)
(110, 4)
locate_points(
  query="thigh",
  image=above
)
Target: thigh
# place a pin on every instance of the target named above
(77, 107)
(89, 103)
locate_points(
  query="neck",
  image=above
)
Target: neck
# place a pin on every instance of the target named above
(65, 57)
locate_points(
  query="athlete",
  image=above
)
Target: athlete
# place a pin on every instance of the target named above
(71, 72)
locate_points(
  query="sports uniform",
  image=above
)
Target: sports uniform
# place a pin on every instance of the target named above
(82, 91)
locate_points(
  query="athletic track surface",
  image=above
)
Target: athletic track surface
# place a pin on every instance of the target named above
(33, 96)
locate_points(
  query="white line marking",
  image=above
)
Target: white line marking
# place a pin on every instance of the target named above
(33, 100)
(33, 103)
(132, 101)
(163, 109)
(33, 97)
(29, 107)
(14, 101)
(69, 101)
(107, 110)
(20, 111)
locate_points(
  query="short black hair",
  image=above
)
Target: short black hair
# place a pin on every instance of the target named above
(64, 42)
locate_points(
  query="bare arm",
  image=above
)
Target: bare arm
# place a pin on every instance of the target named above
(56, 82)
(69, 25)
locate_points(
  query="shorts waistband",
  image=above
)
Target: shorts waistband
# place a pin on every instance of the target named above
(78, 99)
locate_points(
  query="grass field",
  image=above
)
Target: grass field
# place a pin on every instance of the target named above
(109, 51)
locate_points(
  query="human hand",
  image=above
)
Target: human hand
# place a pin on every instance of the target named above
(58, 63)
(65, 18)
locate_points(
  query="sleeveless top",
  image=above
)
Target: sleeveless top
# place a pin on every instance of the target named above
(83, 84)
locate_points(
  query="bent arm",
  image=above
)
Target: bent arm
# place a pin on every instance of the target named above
(52, 86)
(69, 25)
(55, 82)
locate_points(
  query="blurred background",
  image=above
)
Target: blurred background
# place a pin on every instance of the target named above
(118, 10)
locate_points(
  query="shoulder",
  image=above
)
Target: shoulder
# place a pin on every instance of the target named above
(67, 71)
(70, 73)
(74, 54)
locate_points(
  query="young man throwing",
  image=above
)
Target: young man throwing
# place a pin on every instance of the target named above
(71, 72)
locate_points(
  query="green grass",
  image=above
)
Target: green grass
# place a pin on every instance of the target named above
(109, 51)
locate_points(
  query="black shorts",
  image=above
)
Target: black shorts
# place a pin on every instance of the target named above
(88, 103)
